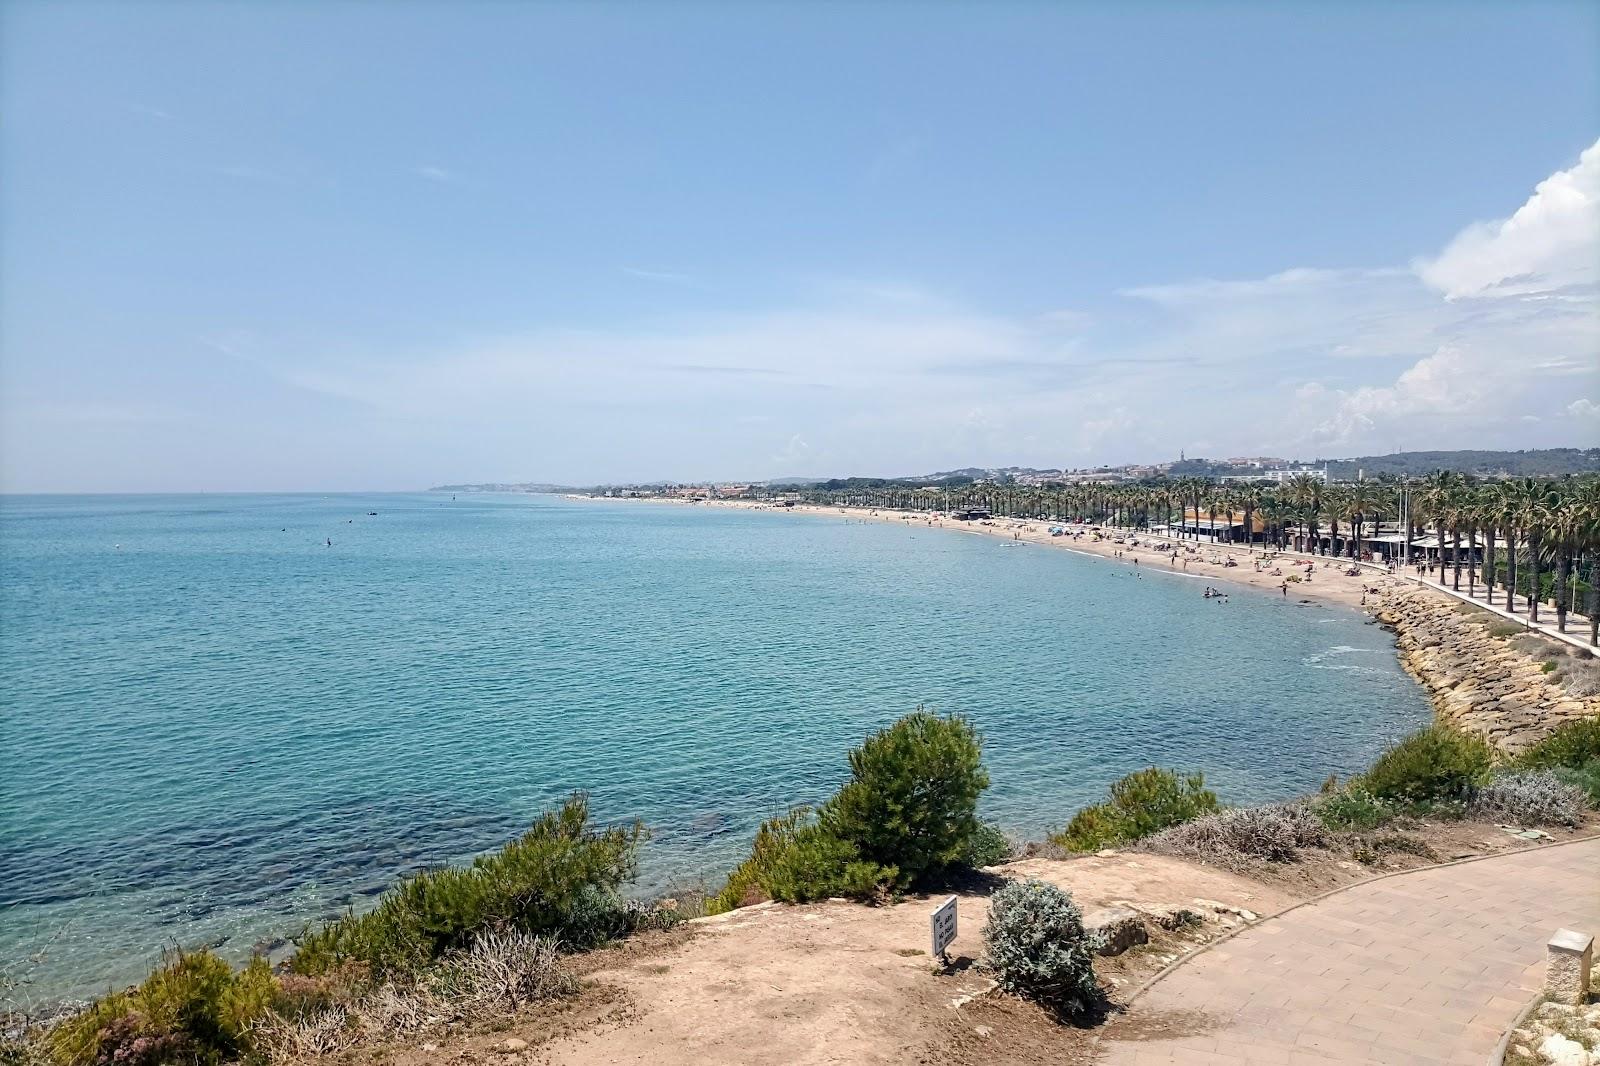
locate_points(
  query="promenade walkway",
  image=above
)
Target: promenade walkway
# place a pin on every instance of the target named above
(1577, 633)
(1427, 968)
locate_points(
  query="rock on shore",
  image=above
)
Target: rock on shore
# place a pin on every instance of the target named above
(1480, 681)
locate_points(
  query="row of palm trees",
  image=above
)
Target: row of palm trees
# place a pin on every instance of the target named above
(1508, 534)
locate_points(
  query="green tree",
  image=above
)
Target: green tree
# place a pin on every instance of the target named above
(912, 798)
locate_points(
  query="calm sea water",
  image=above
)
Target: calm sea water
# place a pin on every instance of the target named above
(218, 726)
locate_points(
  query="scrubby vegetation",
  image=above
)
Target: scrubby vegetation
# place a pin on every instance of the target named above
(1352, 809)
(455, 944)
(907, 816)
(1439, 763)
(1275, 833)
(1037, 947)
(194, 1008)
(1572, 754)
(988, 846)
(1142, 803)
(560, 878)
(1530, 797)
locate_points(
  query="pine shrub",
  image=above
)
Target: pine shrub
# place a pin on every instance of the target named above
(1572, 745)
(912, 799)
(1439, 763)
(907, 814)
(1144, 802)
(560, 878)
(193, 1008)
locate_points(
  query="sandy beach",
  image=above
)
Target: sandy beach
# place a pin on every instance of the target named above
(1206, 563)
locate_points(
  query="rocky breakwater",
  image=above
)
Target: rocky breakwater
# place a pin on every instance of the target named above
(1487, 675)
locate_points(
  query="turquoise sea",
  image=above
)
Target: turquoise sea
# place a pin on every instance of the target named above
(218, 725)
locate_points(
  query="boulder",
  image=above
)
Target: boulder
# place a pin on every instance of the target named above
(1119, 928)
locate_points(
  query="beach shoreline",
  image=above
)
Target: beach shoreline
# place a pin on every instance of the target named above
(1200, 559)
(1474, 679)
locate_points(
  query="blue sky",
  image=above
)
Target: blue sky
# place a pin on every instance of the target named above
(362, 246)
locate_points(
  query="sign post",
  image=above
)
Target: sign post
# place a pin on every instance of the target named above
(943, 924)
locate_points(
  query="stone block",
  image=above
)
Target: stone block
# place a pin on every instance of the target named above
(1119, 929)
(1567, 967)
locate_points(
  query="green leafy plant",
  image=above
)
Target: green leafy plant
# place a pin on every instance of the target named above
(1352, 809)
(1439, 763)
(1037, 947)
(1144, 802)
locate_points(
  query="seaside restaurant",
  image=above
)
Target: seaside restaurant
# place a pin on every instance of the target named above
(1225, 526)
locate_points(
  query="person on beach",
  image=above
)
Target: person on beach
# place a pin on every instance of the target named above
(1285, 588)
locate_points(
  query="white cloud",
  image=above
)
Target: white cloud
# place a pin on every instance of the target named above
(1550, 243)
(881, 376)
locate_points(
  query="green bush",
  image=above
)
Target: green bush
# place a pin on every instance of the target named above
(988, 846)
(1037, 947)
(560, 878)
(1353, 809)
(1571, 745)
(912, 798)
(1144, 802)
(1432, 764)
(194, 1008)
(907, 814)
(1585, 778)
(1504, 628)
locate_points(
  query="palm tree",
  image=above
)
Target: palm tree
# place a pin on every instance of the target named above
(1250, 498)
(1358, 500)
(1566, 526)
(1438, 488)
(1304, 492)
(1586, 502)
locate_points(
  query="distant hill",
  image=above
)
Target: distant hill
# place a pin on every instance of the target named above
(496, 486)
(1538, 462)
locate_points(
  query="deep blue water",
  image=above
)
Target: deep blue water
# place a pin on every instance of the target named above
(217, 726)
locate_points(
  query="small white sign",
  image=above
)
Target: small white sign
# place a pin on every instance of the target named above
(943, 923)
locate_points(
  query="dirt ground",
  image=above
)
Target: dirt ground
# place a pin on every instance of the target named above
(839, 982)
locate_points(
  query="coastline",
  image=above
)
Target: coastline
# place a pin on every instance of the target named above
(1495, 684)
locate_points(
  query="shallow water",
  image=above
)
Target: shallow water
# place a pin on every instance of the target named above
(218, 727)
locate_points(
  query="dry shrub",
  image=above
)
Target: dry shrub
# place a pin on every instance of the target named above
(327, 1031)
(1530, 797)
(500, 974)
(1275, 833)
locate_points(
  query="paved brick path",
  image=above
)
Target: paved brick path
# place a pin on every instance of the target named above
(1427, 968)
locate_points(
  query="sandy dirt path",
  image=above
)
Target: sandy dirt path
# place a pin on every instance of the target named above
(843, 983)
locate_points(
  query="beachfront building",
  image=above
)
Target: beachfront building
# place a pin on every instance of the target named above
(1226, 526)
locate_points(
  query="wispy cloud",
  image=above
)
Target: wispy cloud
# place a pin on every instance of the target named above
(668, 277)
(260, 175)
(438, 175)
(150, 112)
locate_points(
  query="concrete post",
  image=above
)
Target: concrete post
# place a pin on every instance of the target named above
(1566, 974)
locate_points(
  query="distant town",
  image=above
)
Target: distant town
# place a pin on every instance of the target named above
(1547, 462)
